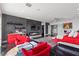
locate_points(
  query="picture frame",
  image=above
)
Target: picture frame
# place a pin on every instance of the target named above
(67, 26)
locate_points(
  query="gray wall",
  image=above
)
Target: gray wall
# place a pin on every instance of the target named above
(26, 23)
(7, 28)
(31, 23)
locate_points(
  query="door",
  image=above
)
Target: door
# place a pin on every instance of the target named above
(54, 30)
(42, 30)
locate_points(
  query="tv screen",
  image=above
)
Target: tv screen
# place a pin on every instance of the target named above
(33, 27)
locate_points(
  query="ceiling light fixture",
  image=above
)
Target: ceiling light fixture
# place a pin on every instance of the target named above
(28, 4)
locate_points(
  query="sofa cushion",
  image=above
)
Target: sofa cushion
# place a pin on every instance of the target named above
(77, 41)
(45, 52)
(39, 48)
(22, 39)
(26, 52)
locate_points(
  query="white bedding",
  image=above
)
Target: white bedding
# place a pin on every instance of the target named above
(36, 36)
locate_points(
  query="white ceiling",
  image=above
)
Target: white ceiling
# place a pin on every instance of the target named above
(41, 11)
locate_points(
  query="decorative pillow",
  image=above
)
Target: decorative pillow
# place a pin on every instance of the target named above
(71, 34)
(75, 34)
(53, 37)
(60, 36)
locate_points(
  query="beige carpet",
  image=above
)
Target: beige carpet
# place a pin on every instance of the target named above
(46, 39)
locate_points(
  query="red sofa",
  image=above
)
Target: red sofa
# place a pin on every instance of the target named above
(17, 39)
(11, 40)
(21, 39)
(73, 40)
(43, 49)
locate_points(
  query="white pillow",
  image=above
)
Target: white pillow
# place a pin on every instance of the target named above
(71, 34)
(60, 36)
(53, 37)
(75, 34)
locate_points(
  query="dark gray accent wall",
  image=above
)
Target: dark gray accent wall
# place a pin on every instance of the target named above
(6, 28)
(31, 23)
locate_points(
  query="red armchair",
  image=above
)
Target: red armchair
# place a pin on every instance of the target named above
(43, 49)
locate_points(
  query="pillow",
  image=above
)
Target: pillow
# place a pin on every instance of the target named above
(75, 34)
(71, 34)
(53, 37)
(59, 36)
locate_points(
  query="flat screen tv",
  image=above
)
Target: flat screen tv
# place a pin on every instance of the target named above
(33, 27)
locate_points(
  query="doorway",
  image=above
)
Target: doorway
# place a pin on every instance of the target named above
(42, 30)
(54, 30)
